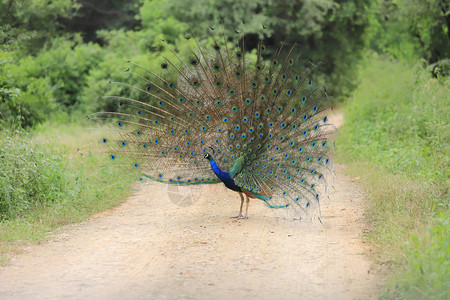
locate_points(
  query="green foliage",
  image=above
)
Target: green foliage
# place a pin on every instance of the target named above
(93, 16)
(45, 183)
(10, 110)
(29, 176)
(65, 63)
(114, 66)
(67, 72)
(426, 273)
(397, 136)
(409, 231)
(19, 109)
(411, 29)
(34, 87)
(39, 17)
(46, 69)
(399, 118)
(328, 31)
(14, 38)
(37, 13)
(159, 22)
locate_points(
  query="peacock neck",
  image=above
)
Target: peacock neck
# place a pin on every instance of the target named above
(223, 176)
(216, 169)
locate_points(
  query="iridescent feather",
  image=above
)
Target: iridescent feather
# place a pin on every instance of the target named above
(261, 120)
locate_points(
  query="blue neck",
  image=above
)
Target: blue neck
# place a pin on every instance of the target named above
(224, 176)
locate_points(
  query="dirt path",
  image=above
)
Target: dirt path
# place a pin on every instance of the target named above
(153, 248)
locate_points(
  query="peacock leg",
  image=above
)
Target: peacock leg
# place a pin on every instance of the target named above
(240, 216)
(246, 207)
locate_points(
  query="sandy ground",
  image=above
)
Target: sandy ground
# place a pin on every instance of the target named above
(169, 242)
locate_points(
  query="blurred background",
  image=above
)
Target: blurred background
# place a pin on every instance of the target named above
(58, 55)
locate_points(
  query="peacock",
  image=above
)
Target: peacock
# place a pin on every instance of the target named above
(254, 121)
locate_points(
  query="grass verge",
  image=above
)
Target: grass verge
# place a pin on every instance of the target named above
(396, 138)
(47, 183)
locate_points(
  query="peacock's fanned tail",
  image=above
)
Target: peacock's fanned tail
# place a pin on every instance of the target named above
(266, 110)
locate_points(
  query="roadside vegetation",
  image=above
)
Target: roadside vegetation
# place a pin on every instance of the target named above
(396, 138)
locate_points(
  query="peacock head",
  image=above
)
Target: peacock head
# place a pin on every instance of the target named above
(209, 156)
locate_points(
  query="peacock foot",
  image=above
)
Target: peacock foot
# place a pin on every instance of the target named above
(239, 217)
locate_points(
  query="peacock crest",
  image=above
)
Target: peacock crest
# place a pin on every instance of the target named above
(254, 121)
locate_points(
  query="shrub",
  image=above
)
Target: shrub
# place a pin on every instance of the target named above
(19, 108)
(30, 176)
(64, 63)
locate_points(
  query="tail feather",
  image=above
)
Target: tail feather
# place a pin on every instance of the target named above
(265, 111)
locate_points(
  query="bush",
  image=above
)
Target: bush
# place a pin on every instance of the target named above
(399, 118)
(18, 108)
(30, 176)
(32, 88)
(35, 178)
(28, 25)
(146, 49)
(64, 63)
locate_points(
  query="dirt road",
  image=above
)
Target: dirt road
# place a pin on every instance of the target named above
(161, 245)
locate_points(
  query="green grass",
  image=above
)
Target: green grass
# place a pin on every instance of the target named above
(425, 273)
(46, 182)
(396, 137)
